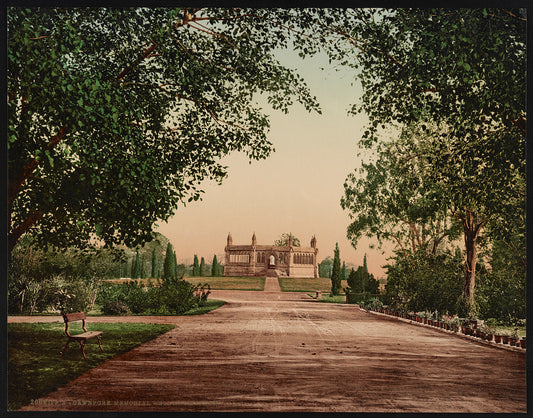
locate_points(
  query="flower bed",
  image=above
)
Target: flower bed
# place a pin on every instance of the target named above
(471, 327)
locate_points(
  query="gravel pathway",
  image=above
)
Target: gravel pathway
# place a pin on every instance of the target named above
(285, 352)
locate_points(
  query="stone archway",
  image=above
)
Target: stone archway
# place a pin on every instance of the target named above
(272, 260)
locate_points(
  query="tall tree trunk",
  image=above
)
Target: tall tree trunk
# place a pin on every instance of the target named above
(93, 300)
(436, 243)
(471, 229)
(22, 301)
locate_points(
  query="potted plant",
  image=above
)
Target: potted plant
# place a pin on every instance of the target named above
(487, 332)
(465, 326)
(475, 323)
(489, 335)
(513, 341)
(455, 323)
(513, 338)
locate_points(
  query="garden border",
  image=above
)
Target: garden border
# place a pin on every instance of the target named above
(457, 334)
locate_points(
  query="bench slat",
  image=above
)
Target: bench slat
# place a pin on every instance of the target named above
(78, 316)
(86, 335)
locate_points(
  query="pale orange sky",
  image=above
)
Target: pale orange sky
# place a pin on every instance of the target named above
(297, 189)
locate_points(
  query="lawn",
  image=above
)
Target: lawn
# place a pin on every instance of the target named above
(210, 304)
(230, 283)
(307, 284)
(35, 367)
(333, 299)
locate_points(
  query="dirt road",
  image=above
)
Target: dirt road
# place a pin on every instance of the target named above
(273, 351)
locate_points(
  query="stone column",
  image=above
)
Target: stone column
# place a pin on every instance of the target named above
(253, 261)
(315, 263)
(290, 261)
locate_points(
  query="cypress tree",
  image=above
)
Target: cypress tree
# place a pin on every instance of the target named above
(343, 271)
(154, 264)
(202, 268)
(132, 269)
(364, 275)
(195, 267)
(168, 268)
(174, 265)
(372, 285)
(352, 280)
(336, 272)
(214, 267)
(136, 267)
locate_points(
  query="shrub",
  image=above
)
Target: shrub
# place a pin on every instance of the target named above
(174, 296)
(109, 292)
(202, 291)
(501, 292)
(116, 308)
(373, 303)
(136, 297)
(360, 298)
(423, 281)
(178, 296)
(72, 294)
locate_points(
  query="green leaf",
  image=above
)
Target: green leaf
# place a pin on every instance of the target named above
(50, 159)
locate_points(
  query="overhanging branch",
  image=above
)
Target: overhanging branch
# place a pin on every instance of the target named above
(16, 233)
(130, 67)
(15, 184)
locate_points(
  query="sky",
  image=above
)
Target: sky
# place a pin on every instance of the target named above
(297, 189)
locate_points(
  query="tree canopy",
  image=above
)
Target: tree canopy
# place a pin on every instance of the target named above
(395, 197)
(115, 116)
(459, 77)
(283, 240)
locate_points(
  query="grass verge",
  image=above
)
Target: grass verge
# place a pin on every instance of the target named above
(210, 305)
(290, 284)
(230, 283)
(35, 367)
(333, 299)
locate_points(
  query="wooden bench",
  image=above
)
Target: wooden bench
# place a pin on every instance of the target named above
(81, 338)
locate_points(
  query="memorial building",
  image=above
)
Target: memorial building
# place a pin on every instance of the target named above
(270, 260)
